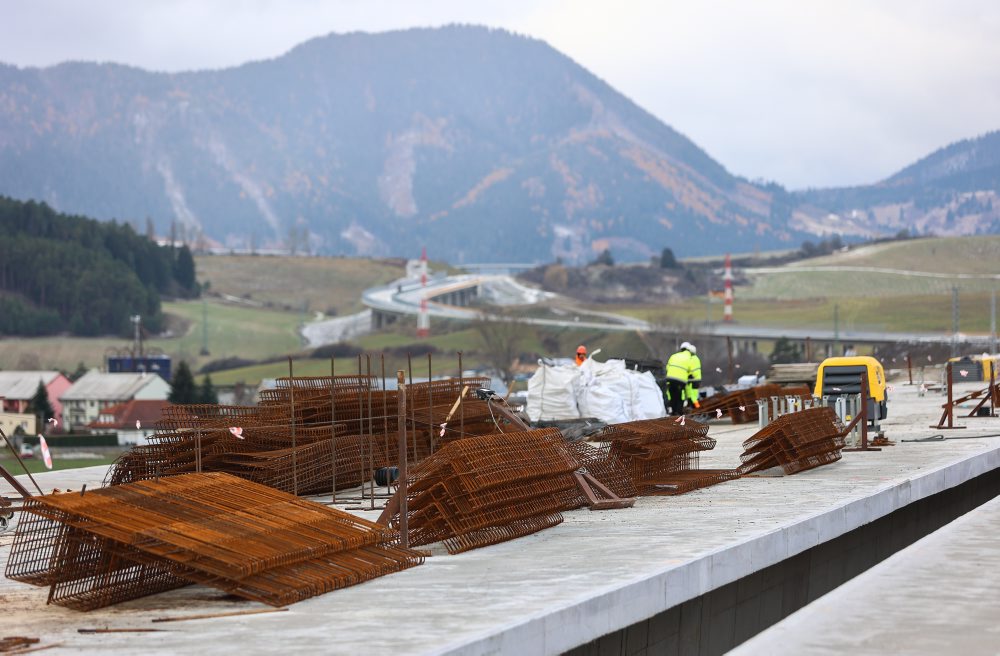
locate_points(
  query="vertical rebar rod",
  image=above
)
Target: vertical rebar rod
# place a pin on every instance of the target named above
(333, 430)
(361, 427)
(295, 460)
(409, 410)
(21, 462)
(461, 397)
(909, 367)
(954, 321)
(197, 451)
(729, 351)
(401, 488)
(385, 415)
(950, 421)
(371, 433)
(430, 402)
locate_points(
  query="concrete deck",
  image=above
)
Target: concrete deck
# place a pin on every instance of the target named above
(546, 593)
(939, 595)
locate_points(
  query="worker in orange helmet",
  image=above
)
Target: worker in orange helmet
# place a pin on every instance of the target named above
(581, 354)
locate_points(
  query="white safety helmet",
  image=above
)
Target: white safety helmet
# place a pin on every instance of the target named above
(689, 346)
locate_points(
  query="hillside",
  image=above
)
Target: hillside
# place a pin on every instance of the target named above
(953, 191)
(61, 273)
(481, 144)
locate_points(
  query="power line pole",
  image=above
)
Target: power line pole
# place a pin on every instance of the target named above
(993, 322)
(954, 321)
(836, 329)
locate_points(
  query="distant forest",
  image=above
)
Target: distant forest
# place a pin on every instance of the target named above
(61, 273)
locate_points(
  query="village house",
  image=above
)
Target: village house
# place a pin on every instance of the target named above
(17, 388)
(96, 391)
(133, 420)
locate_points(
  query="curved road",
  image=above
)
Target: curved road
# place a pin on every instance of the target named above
(403, 297)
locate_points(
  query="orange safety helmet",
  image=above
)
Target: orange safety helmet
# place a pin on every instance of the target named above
(581, 350)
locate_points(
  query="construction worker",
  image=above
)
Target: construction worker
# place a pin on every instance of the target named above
(694, 380)
(680, 368)
(581, 354)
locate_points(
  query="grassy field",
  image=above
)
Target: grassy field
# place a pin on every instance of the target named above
(947, 257)
(254, 332)
(915, 313)
(331, 285)
(232, 331)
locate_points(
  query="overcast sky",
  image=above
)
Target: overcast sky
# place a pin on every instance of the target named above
(805, 93)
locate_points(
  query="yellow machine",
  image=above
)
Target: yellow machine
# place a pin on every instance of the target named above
(977, 367)
(841, 376)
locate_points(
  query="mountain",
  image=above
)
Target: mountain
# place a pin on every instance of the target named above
(953, 191)
(481, 144)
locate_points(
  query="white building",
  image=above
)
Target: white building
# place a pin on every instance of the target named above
(84, 401)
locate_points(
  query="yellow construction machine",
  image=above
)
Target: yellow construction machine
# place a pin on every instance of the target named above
(842, 376)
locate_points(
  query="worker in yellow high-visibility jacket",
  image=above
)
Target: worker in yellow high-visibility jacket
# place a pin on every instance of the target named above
(694, 380)
(681, 368)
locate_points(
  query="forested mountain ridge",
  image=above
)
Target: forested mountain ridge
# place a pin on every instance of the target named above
(954, 191)
(61, 273)
(482, 144)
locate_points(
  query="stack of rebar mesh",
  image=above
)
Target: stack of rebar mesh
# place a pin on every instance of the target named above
(662, 455)
(795, 442)
(741, 405)
(310, 435)
(135, 539)
(488, 489)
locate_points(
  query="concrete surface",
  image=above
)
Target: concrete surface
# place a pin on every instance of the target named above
(939, 595)
(595, 573)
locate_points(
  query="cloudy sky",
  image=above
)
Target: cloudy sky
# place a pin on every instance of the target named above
(808, 94)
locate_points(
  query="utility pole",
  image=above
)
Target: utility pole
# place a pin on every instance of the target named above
(954, 321)
(993, 322)
(836, 329)
(204, 327)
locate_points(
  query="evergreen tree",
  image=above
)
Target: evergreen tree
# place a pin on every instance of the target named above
(785, 352)
(184, 269)
(207, 393)
(667, 259)
(183, 388)
(78, 373)
(605, 258)
(40, 406)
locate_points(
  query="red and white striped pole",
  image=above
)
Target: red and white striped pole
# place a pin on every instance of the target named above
(423, 319)
(727, 314)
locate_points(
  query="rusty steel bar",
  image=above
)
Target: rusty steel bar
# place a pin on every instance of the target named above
(333, 431)
(10, 478)
(430, 401)
(461, 401)
(295, 461)
(404, 528)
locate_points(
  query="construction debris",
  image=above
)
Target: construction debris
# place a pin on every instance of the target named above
(661, 455)
(118, 543)
(488, 489)
(795, 442)
(741, 405)
(309, 435)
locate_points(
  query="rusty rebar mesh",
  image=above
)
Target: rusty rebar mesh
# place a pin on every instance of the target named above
(325, 414)
(659, 453)
(250, 540)
(681, 481)
(607, 467)
(487, 489)
(741, 405)
(795, 442)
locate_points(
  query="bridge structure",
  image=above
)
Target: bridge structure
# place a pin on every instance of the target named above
(450, 297)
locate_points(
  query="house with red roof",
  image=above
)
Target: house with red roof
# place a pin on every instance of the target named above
(133, 420)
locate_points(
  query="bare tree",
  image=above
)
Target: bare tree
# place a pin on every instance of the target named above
(501, 335)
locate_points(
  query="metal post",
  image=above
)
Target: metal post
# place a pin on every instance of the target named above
(12, 480)
(333, 430)
(909, 367)
(954, 322)
(430, 402)
(371, 437)
(401, 490)
(729, 350)
(809, 349)
(295, 462)
(993, 321)
(836, 329)
(461, 397)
